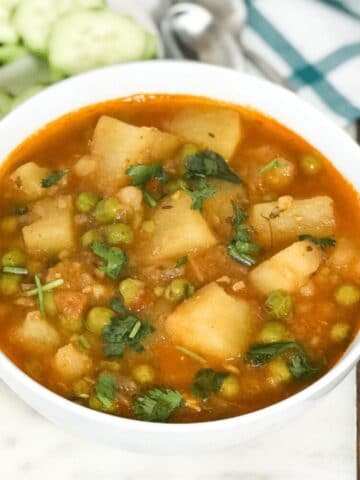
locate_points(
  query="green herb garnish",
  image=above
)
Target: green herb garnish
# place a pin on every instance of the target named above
(121, 333)
(298, 364)
(209, 164)
(40, 294)
(105, 389)
(181, 261)
(200, 193)
(84, 343)
(157, 404)
(141, 174)
(276, 163)
(322, 242)
(190, 354)
(114, 257)
(118, 306)
(45, 288)
(242, 248)
(207, 381)
(54, 178)
(16, 270)
(149, 199)
(20, 209)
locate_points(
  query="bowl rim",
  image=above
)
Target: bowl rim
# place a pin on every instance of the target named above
(12, 374)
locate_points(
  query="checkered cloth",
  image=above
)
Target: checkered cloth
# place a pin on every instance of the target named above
(314, 46)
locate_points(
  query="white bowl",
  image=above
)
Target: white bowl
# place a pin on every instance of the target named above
(194, 79)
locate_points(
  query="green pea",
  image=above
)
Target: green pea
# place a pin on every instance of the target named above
(131, 289)
(107, 210)
(49, 304)
(119, 233)
(143, 373)
(339, 332)
(96, 404)
(90, 237)
(13, 258)
(272, 331)
(86, 201)
(230, 387)
(9, 224)
(279, 304)
(179, 289)
(9, 284)
(310, 164)
(347, 295)
(278, 372)
(71, 324)
(82, 388)
(97, 318)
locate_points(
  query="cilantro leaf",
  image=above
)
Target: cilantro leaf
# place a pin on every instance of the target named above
(242, 248)
(149, 199)
(118, 306)
(128, 332)
(142, 173)
(20, 209)
(54, 178)
(278, 162)
(157, 404)
(105, 389)
(115, 259)
(181, 261)
(207, 381)
(209, 164)
(298, 364)
(322, 242)
(203, 191)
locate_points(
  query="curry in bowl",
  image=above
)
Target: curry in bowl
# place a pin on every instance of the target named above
(170, 258)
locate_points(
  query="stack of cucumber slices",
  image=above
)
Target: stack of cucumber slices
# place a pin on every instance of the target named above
(43, 41)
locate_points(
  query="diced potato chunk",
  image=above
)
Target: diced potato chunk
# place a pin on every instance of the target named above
(70, 303)
(346, 257)
(217, 210)
(211, 323)
(35, 335)
(27, 180)
(313, 216)
(70, 364)
(53, 230)
(288, 269)
(210, 127)
(117, 145)
(179, 230)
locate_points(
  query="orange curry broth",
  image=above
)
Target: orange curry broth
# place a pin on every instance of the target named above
(64, 141)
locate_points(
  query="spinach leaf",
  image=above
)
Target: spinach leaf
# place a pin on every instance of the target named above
(209, 164)
(299, 363)
(157, 404)
(207, 381)
(115, 259)
(54, 178)
(322, 242)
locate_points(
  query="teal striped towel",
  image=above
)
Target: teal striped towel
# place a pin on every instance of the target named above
(314, 46)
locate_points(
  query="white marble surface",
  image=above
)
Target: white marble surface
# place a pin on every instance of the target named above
(320, 445)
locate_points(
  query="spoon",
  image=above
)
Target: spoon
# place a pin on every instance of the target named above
(194, 32)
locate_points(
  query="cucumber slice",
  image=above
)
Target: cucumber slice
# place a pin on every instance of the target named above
(89, 39)
(10, 53)
(8, 33)
(5, 103)
(33, 19)
(29, 92)
(151, 49)
(17, 76)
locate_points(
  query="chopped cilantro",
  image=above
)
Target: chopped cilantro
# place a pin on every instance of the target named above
(203, 191)
(141, 174)
(118, 306)
(209, 164)
(40, 293)
(84, 343)
(322, 242)
(114, 257)
(242, 248)
(157, 404)
(16, 270)
(122, 333)
(181, 261)
(149, 199)
(276, 163)
(298, 364)
(207, 381)
(54, 178)
(105, 389)
(20, 209)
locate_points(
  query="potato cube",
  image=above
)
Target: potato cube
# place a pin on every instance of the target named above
(288, 269)
(27, 180)
(70, 364)
(211, 323)
(35, 335)
(179, 230)
(117, 145)
(312, 216)
(216, 128)
(218, 210)
(53, 229)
